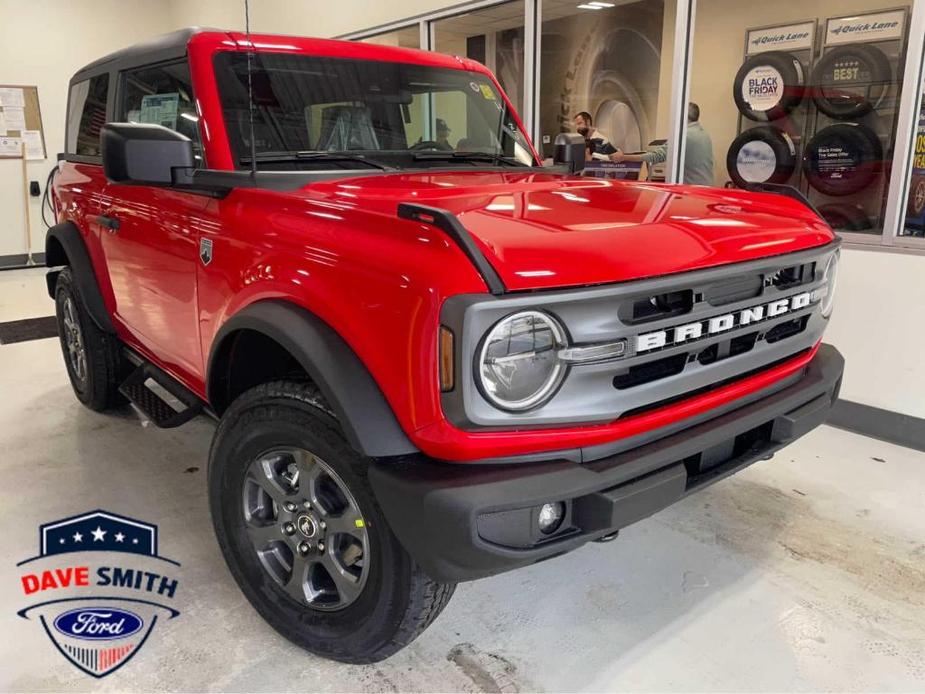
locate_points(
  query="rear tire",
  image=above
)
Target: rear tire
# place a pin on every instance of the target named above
(280, 469)
(93, 359)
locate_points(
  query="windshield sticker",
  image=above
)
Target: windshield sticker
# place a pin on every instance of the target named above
(160, 109)
(487, 92)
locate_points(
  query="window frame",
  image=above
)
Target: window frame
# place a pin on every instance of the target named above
(117, 98)
(508, 128)
(72, 156)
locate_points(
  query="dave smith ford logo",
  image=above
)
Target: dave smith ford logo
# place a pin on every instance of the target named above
(719, 324)
(97, 588)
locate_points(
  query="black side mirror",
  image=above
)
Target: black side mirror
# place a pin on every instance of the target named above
(143, 154)
(569, 149)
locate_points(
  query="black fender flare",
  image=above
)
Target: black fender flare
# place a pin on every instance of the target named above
(367, 419)
(65, 246)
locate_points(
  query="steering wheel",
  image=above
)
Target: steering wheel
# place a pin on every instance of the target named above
(426, 144)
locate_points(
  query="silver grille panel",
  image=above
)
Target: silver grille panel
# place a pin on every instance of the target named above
(603, 391)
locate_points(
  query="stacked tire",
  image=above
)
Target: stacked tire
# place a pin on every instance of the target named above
(768, 87)
(851, 81)
(761, 155)
(846, 157)
(843, 159)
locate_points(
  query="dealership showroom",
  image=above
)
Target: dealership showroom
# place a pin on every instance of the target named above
(476, 346)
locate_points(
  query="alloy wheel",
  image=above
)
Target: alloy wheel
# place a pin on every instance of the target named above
(306, 528)
(73, 340)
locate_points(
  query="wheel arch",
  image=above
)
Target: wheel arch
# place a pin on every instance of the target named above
(65, 246)
(354, 397)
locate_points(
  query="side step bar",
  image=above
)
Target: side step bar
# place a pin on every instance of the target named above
(162, 413)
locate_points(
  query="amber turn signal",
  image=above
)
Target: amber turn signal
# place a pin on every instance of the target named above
(447, 380)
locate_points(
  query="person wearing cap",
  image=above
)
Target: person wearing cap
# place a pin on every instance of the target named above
(443, 134)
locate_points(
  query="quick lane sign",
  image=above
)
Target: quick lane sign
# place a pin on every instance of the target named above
(881, 26)
(789, 37)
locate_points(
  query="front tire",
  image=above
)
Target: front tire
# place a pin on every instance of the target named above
(303, 535)
(92, 357)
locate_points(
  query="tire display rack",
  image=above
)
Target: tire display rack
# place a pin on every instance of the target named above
(856, 83)
(818, 104)
(771, 93)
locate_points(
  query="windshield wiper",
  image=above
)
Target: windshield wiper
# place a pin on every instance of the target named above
(467, 156)
(297, 156)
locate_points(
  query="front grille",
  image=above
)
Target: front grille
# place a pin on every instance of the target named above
(744, 287)
(735, 346)
(748, 316)
(733, 290)
(706, 389)
(657, 307)
(782, 331)
(793, 276)
(650, 371)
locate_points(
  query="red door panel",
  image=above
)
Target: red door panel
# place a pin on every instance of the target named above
(151, 259)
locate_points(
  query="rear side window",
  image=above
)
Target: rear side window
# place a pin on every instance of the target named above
(86, 114)
(162, 94)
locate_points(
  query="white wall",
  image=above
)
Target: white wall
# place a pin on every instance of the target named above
(42, 43)
(878, 322)
(879, 325)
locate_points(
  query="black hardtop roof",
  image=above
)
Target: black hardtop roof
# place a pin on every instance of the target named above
(157, 49)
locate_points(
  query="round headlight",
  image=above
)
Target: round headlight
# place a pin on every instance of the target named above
(831, 278)
(518, 364)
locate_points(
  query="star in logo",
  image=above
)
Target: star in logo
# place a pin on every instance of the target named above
(119, 537)
(78, 537)
(98, 534)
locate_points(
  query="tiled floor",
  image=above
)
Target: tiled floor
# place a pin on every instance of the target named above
(806, 572)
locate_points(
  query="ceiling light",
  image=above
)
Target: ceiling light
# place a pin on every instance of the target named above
(597, 3)
(589, 7)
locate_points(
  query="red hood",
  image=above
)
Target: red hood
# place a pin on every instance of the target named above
(543, 230)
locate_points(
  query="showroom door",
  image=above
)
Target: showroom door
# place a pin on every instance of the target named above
(151, 240)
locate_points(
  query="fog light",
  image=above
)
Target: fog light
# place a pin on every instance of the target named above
(550, 517)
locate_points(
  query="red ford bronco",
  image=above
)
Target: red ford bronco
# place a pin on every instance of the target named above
(431, 358)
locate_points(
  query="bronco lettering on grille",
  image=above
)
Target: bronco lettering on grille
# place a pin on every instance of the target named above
(719, 324)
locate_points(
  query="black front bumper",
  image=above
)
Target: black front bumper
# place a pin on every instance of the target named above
(466, 521)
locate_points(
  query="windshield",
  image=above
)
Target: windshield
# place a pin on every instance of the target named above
(406, 116)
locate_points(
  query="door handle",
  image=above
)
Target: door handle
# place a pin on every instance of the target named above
(110, 223)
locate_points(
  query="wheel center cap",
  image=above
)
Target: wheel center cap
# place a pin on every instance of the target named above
(306, 525)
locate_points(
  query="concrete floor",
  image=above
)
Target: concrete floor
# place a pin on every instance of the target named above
(805, 573)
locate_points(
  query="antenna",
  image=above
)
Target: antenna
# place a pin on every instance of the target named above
(250, 87)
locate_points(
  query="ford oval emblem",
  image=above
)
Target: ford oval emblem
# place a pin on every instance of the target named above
(98, 623)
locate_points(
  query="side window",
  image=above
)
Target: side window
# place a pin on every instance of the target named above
(162, 94)
(86, 114)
